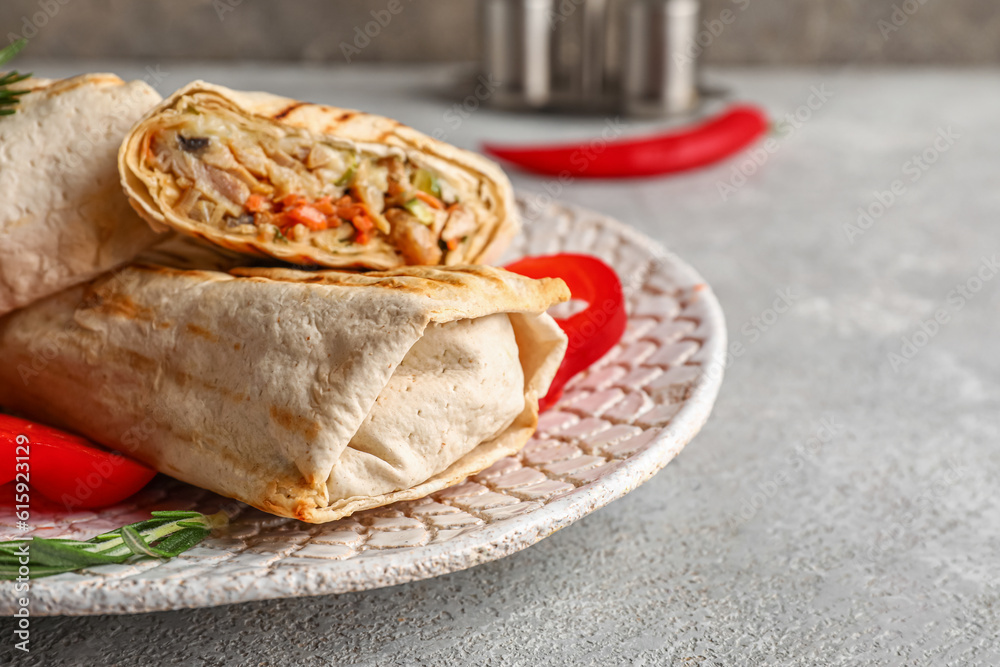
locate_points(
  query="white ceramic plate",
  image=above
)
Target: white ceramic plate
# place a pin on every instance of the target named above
(617, 425)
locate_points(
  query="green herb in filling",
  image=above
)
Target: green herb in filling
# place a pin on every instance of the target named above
(420, 211)
(427, 182)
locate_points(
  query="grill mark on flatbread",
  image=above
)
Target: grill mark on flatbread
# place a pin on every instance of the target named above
(289, 109)
(196, 330)
(140, 362)
(184, 379)
(108, 303)
(65, 85)
(294, 423)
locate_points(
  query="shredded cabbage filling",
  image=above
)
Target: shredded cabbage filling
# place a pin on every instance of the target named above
(288, 187)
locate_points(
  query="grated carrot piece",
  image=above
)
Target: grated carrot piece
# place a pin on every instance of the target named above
(429, 199)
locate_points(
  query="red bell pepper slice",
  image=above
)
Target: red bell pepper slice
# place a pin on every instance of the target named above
(668, 152)
(592, 332)
(66, 468)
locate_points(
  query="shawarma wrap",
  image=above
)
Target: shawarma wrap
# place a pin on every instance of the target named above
(306, 394)
(63, 219)
(311, 184)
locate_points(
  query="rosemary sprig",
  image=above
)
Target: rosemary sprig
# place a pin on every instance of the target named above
(165, 535)
(9, 98)
(8, 53)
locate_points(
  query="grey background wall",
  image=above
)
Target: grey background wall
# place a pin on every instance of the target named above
(787, 32)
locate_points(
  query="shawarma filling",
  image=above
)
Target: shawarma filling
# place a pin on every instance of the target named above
(283, 185)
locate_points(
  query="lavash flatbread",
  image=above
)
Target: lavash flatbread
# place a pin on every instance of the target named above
(306, 394)
(63, 218)
(150, 167)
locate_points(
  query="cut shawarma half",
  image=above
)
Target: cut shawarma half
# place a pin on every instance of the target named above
(311, 184)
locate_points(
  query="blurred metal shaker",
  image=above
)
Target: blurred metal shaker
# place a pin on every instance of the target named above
(633, 56)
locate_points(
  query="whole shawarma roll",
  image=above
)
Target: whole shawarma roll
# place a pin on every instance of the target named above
(311, 184)
(305, 394)
(63, 219)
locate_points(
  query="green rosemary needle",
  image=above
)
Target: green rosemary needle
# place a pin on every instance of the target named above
(9, 98)
(165, 535)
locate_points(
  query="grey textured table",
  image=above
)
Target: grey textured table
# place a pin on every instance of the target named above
(839, 507)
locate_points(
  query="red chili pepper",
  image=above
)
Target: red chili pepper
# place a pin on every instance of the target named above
(672, 151)
(66, 468)
(593, 331)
